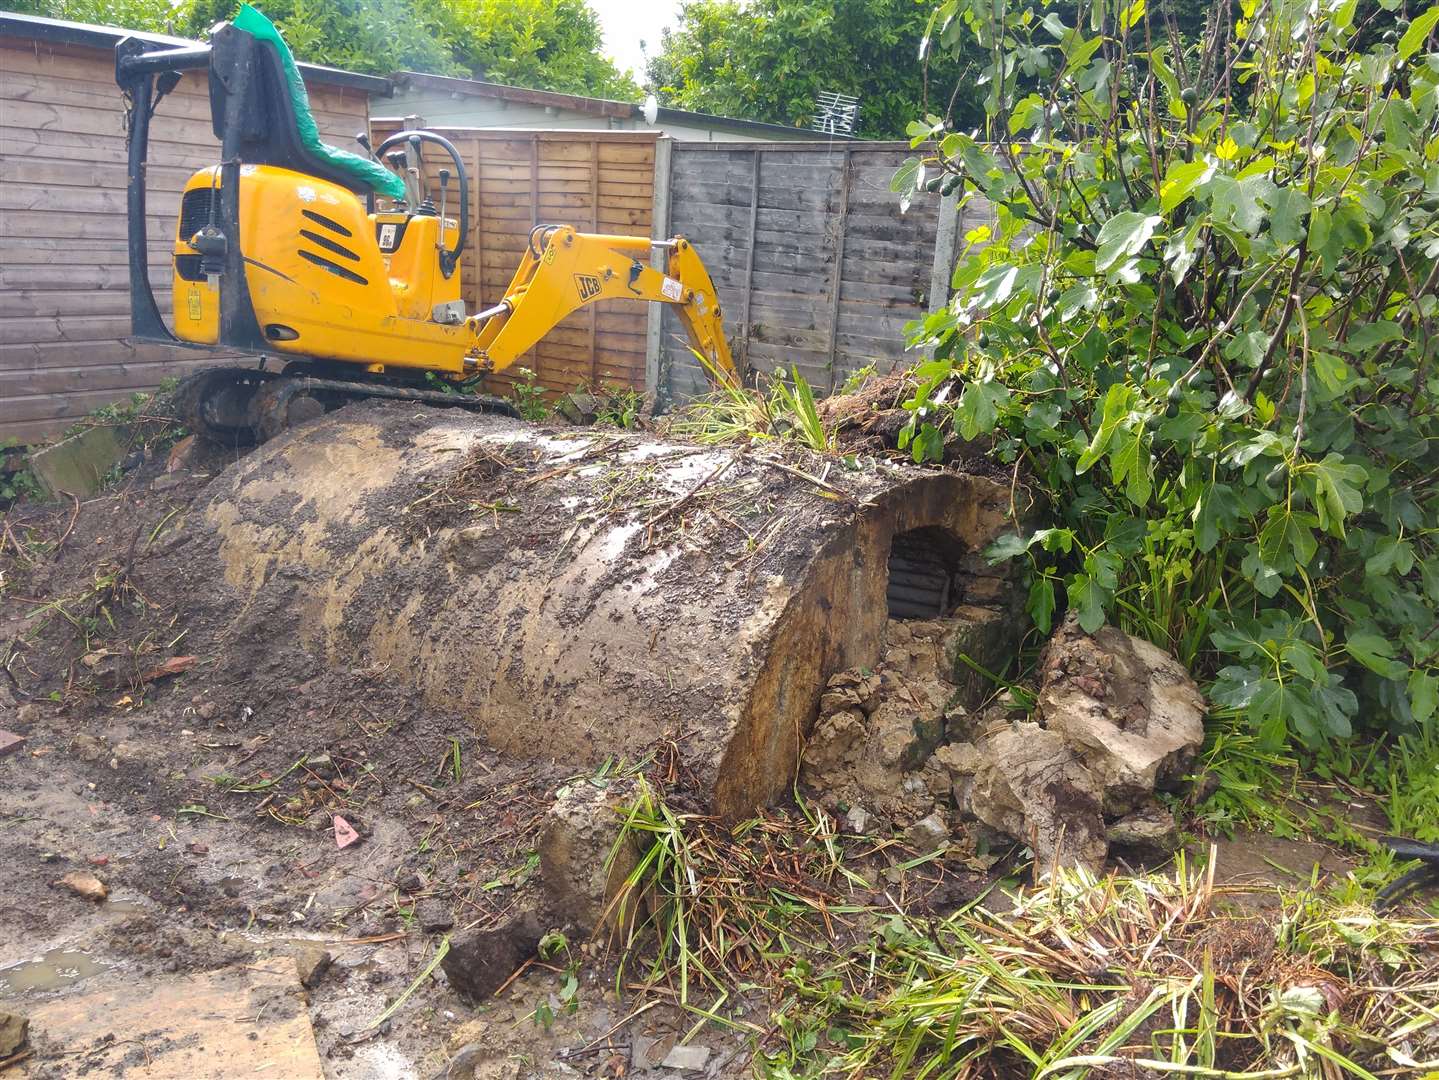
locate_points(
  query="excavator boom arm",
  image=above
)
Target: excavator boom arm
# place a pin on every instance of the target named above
(567, 270)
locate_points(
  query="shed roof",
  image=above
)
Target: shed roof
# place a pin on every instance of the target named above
(64, 32)
(593, 106)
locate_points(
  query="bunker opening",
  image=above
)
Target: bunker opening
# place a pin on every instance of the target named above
(925, 575)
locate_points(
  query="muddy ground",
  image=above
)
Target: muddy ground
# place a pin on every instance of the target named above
(202, 792)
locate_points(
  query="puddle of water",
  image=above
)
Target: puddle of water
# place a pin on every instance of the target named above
(54, 970)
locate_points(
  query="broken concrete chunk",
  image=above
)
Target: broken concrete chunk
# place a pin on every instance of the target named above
(312, 962)
(686, 1058)
(583, 868)
(1148, 833)
(579, 407)
(433, 916)
(989, 636)
(78, 465)
(1128, 708)
(836, 740)
(852, 689)
(899, 736)
(928, 833)
(86, 885)
(480, 961)
(10, 743)
(958, 759)
(1033, 788)
(14, 1033)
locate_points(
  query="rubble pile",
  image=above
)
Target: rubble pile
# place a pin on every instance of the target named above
(907, 745)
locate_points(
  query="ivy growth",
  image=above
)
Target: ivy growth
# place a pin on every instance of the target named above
(1199, 319)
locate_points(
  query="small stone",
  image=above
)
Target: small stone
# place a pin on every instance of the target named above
(207, 711)
(928, 833)
(30, 713)
(578, 407)
(88, 747)
(166, 481)
(1149, 832)
(10, 743)
(433, 916)
(14, 1033)
(86, 885)
(687, 1058)
(312, 962)
(856, 819)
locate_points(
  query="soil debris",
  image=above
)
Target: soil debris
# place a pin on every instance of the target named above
(479, 962)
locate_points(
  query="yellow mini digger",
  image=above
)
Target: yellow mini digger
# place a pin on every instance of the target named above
(338, 266)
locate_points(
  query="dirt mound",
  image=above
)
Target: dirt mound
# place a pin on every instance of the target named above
(574, 595)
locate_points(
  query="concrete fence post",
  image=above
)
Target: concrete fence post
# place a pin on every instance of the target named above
(659, 230)
(945, 244)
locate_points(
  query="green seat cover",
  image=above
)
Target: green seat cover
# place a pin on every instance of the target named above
(368, 173)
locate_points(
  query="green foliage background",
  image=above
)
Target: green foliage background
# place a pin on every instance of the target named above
(542, 44)
(769, 59)
(1202, 323)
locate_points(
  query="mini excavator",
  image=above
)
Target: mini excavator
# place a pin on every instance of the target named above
(338, 265)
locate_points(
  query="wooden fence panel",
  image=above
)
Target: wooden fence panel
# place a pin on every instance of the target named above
(598, 181)
(816, 266)
(64, 277)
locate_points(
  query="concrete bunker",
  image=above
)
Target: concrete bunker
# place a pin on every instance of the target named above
(584, 594)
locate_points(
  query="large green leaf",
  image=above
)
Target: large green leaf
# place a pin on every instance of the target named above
(1288, 211)
(1123, 236)
(1336, 491)
(979, 408)
(1180, 182)
(1088, 598)
(1287, 538)
(1418, 31)
(1375, 652)
(1131, 465)
(1116, 405)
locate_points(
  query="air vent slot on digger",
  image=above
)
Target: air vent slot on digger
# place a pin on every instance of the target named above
(195, 210)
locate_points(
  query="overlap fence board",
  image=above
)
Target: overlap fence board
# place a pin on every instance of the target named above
(64, 284)
(816, 266)
(597, 181)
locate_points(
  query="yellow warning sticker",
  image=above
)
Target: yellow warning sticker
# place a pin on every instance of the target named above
(193, 303)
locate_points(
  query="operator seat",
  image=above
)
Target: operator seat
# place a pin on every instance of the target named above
(271, 134)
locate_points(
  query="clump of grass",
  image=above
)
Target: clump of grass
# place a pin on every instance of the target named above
(1083, 976)
(733, 412)
(714, 906)
(1139, 976)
